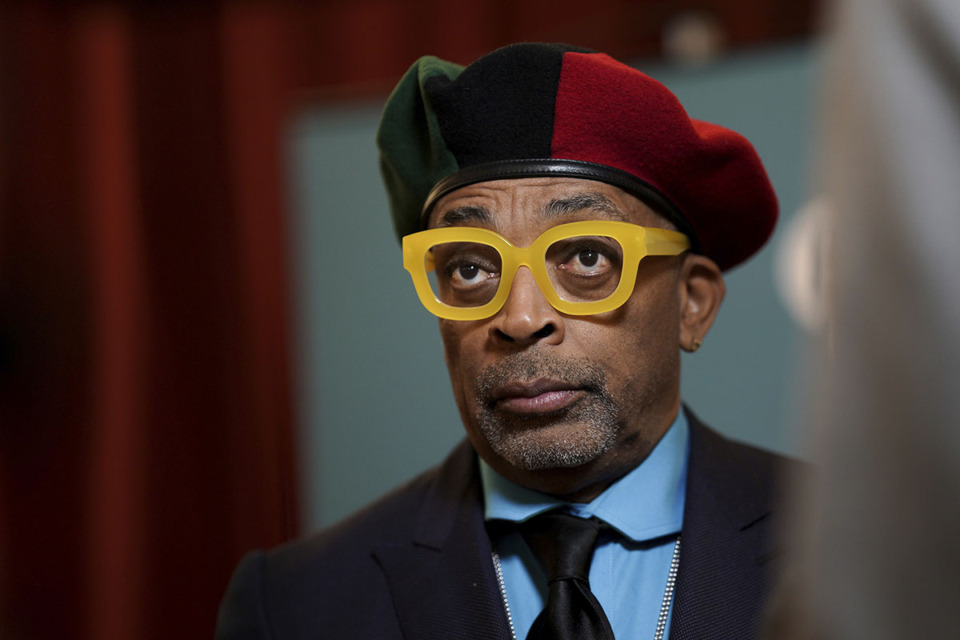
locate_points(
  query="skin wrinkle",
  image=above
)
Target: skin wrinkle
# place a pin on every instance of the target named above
(557, 207)
(624, 365)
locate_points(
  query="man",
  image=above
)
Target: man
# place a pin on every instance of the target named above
(569, 224)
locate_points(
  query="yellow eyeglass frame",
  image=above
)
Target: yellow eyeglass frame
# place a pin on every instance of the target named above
(637, 243)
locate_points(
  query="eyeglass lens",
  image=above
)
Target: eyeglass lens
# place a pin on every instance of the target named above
(580, 269)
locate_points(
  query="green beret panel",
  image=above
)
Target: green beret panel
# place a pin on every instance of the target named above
(413, 153)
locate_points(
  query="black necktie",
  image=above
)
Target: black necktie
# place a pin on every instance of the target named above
(564, 545)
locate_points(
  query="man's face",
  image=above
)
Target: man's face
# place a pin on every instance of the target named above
(564, 404)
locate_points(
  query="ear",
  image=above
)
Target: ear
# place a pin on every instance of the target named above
(701, 290)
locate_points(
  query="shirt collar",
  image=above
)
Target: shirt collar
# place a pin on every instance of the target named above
(646, 503)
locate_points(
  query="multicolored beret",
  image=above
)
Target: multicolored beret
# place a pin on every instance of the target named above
(536, 110)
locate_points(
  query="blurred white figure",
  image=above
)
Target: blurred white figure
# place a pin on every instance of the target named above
(883, 547)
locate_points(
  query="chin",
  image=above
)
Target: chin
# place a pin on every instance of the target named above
(563, 446)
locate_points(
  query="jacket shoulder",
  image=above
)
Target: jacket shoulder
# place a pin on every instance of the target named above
(331, 580)
(715, 453)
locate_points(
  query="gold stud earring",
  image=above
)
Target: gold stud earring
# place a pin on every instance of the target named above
(695, 344)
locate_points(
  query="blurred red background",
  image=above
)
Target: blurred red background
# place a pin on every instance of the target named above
(146, 414)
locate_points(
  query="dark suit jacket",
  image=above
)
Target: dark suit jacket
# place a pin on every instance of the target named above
(417, 564)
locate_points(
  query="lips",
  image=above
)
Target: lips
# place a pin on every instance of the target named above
(540, 396)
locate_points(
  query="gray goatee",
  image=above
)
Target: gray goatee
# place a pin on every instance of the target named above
(568, 438)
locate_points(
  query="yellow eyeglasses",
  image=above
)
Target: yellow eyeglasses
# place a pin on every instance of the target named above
(582, 268)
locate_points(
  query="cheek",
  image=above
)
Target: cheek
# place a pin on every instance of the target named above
(645, 325)
(461, 357)
(638, 345)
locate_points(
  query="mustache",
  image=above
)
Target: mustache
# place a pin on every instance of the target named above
(524, 367)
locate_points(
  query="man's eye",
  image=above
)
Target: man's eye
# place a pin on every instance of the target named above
(467, 271)
(585, 256)
(586, 261)
(588, 257)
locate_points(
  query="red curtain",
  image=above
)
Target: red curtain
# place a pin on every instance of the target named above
(146, 427)
(145, 412)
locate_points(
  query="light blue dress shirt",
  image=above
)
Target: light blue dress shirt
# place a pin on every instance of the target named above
(628, 574)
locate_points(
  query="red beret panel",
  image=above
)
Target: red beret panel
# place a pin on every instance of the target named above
(710, 173)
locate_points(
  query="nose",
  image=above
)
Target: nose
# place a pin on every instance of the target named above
(527, 317)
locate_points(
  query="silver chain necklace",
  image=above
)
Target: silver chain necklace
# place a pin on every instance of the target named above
(664, 605)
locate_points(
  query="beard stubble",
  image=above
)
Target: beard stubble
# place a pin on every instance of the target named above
(568, 438)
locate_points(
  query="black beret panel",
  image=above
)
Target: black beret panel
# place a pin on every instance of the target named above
(502, 109)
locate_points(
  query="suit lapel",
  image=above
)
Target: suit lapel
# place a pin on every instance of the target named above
(724, 575)
(442, 583)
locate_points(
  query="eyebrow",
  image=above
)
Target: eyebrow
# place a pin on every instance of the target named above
(460, 215)
(596, 202)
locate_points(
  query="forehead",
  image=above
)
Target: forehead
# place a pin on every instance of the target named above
(540, 202)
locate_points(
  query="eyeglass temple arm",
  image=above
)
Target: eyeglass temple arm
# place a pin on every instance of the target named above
(666, 243)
